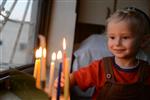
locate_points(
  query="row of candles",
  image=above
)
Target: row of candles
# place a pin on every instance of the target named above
(40, 69)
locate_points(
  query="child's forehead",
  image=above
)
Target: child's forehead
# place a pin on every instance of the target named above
(121, 27)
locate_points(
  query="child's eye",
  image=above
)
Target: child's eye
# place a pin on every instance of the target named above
(111, 37)
(125, 37)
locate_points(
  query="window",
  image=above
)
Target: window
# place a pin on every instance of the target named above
(18, 28)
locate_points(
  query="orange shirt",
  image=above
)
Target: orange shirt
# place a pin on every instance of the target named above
(94, 75)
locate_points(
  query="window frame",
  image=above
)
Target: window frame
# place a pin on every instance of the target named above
(42, 27)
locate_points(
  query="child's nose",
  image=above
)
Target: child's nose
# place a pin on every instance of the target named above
(118, 41)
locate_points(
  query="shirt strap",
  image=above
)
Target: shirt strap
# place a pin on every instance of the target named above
(108, 63)
(143, 71)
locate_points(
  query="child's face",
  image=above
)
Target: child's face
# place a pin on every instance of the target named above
(121, 41)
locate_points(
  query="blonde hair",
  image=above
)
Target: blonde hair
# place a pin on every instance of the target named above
(137, 20)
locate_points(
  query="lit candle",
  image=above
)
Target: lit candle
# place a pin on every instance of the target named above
(37, 73)
(66, 87)
(43, 60)
(64, 53)
(36, 64)
(65, 71)
(43, 68)
(59, 57)
(52, 66)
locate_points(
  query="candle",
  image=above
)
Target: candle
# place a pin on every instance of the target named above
(43, 60)
(51, 74)
(66, 87)
(43, 67)
(37, 68)
(59, 57)
(65, 70)
(37, 63)
(64, 53)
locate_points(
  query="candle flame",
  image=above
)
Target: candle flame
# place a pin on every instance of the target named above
(59, 55)
(64, 44)
(40, 49)
(38, 53)
(44, 52)
(53, 56)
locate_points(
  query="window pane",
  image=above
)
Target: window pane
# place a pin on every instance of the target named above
(17, 32)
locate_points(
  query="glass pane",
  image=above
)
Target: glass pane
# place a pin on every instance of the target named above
(17, 32)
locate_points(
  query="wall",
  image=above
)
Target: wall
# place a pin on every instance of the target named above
(62, 25)
(141, 4)
(95, 11)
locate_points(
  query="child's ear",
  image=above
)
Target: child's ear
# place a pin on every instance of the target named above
(145, 43)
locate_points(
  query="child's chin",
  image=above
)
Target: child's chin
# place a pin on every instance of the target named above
(120, 56)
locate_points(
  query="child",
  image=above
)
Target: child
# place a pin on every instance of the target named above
(121, 77)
